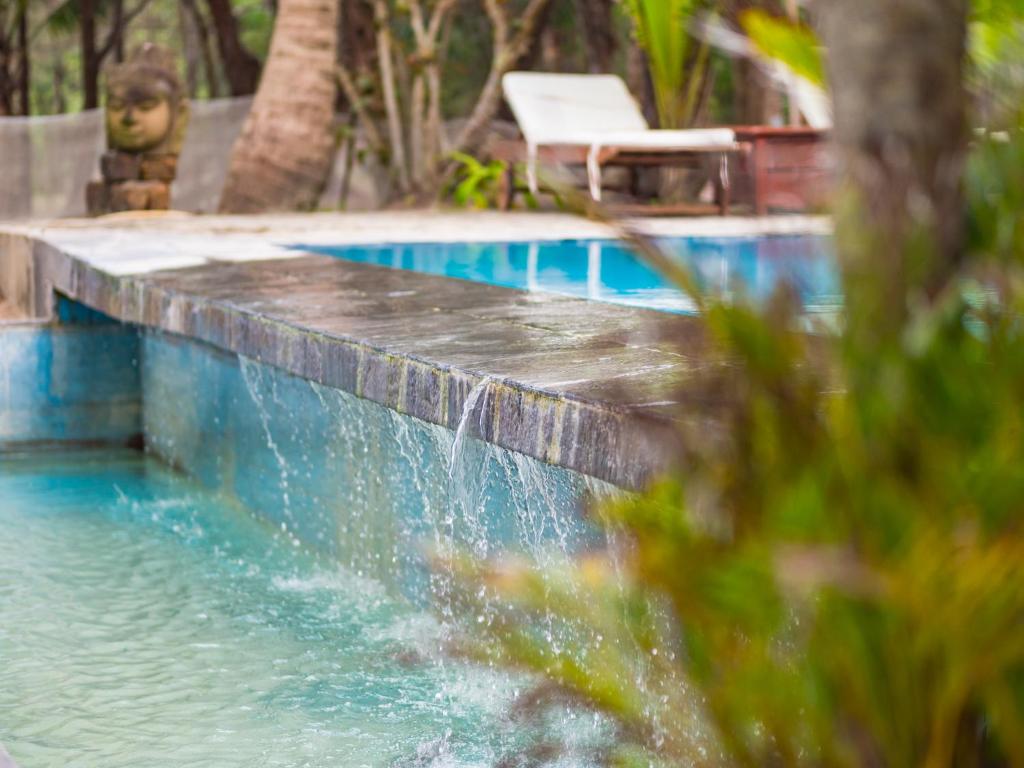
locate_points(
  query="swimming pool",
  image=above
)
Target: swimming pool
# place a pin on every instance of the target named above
(146, 622)
(605, 270)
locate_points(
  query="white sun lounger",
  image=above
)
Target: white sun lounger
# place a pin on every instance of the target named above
(599, 113)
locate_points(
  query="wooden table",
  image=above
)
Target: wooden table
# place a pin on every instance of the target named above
(789, 168)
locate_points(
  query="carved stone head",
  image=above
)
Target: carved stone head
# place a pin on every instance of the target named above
(147, 111)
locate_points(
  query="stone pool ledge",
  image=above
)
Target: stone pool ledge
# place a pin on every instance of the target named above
(583, 385)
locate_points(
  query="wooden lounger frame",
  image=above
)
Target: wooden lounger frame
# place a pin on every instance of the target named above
(514, 151)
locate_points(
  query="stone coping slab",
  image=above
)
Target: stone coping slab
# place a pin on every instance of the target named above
(581, 384)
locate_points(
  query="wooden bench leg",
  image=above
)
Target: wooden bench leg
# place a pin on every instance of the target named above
(724, 185)
(760, 178)
(507, 188)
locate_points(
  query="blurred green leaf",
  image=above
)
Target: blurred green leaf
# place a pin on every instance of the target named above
(788, 42)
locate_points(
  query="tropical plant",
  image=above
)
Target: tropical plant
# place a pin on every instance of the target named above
(676, 63)
(786, 41)
(476, 182)
(832, 572)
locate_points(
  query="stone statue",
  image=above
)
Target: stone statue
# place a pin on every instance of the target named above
(146, 116)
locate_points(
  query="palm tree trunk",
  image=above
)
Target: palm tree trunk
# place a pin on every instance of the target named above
(283, 156)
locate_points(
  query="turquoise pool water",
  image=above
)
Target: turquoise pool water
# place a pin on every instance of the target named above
(145, 622)
(604, 270)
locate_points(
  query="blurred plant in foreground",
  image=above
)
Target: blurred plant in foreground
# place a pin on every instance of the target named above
(832, 573)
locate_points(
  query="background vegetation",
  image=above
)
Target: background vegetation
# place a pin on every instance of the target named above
(577, 35)
(417, 80)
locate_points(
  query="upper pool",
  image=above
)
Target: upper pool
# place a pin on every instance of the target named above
(605, 270)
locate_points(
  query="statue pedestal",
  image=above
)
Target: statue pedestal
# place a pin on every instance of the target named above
(132, 183)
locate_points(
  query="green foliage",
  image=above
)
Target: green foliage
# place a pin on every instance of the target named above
(256, 22)
(676, 70)
(997, 57)
(791, 43)
(476, 183)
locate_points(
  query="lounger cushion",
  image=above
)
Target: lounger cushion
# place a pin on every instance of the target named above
(551, 108)
(588, 110)
(661, 141)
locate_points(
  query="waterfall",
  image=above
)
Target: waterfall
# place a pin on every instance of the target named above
(467, 411)
(251, 376)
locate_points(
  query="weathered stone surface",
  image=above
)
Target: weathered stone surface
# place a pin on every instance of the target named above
(120, 166)
(97, 198)
(139, 196)
(161, 167)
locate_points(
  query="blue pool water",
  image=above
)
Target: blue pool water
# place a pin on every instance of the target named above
(146, 622)
(605, 270)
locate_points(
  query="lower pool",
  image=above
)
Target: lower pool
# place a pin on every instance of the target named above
(146, 622)
(606, 270)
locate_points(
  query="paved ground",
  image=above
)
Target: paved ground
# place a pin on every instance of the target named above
(143, 242)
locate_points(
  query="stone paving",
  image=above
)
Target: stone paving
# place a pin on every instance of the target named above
(584, 385)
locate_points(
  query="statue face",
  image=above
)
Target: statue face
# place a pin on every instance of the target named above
(139, 117)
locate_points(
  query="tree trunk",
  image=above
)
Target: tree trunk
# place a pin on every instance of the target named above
(597, 27)
(190, 47)
(241, 68)
(389, 91)
(24, 63)
(6, 79)
(60, 104)
(425, 120)
(896, 71)
(90, 54)
(755, 101)
(202, 34)
(117, 30)
(357, 42)
(283, 156)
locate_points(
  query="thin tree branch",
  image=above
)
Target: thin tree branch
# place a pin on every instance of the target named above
(506, 53)
(121, 22)
(347, 84)
(437, 19)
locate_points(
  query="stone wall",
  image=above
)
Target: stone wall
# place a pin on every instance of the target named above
(71, 385)
(355, 480)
